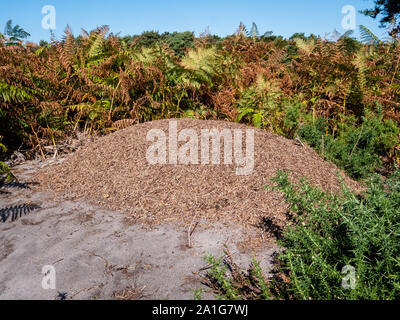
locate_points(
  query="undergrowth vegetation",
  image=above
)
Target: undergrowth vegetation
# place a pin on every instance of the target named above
(344, 246)
(342, 97)
(354, 147)
(5, 172)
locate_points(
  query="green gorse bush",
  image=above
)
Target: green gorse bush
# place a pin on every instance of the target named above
(328, 236)
(356, 148)
(330, 232)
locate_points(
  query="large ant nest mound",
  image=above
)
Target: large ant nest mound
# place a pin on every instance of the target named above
(116, 172)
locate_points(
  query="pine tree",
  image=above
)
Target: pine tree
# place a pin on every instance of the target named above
(390, 12)
(14, 34)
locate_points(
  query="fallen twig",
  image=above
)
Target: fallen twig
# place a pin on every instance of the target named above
(190, 230)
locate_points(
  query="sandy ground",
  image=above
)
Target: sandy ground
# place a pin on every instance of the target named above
(97, 256)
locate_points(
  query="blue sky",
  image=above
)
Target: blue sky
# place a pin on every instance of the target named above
(283, 17)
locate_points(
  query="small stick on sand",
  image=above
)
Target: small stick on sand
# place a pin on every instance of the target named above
(59, 260)
(108, 265)
(85, 289)
(190, 231)
(55, 154)
(298, 140)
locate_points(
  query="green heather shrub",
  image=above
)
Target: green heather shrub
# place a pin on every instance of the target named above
(355, 148)
(328, 233)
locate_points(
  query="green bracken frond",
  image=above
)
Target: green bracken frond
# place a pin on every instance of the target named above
(306, 46)
(367, 36)
(13, 94)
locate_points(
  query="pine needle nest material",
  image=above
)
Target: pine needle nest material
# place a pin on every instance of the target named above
(113, 172)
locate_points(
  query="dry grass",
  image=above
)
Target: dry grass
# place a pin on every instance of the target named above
(130, 293)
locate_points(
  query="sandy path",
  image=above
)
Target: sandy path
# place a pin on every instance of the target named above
(95, 254)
